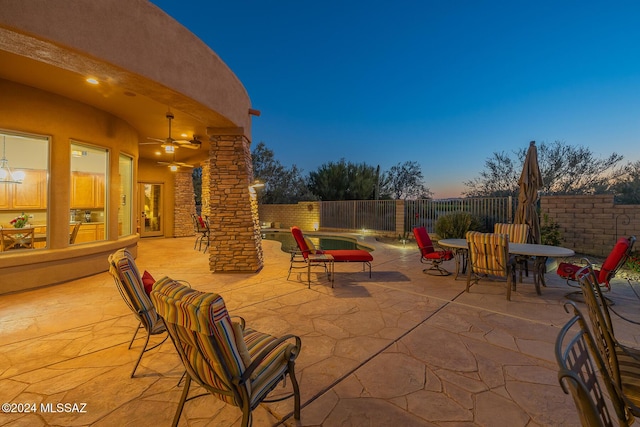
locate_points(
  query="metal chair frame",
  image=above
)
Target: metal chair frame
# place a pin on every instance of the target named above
(143, 310)
(576, 356)
(622, 362)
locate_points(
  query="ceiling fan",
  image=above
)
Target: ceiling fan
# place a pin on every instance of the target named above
(169, 144)
(174, 166)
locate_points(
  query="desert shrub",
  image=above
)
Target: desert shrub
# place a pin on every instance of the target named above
(550, 232)
(456, 224)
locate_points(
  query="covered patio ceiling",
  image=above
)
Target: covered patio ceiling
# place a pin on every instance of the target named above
(141, 102)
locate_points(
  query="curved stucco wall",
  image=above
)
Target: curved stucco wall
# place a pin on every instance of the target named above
(139, 37)
(29, 110)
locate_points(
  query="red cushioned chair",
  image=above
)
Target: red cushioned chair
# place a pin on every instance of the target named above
(430, 255)
(339, 255)
(614, 261)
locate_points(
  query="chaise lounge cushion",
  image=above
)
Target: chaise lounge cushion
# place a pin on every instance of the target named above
(349, 255)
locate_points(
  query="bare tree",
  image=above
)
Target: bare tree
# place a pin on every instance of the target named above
(565, 169)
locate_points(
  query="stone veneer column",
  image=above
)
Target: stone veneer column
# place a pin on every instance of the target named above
(184, 203)
(232, 208)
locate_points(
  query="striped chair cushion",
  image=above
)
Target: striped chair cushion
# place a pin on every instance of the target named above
(629, 365)
(489, 253)
(213, 347)
(518, 233)
(123, 268)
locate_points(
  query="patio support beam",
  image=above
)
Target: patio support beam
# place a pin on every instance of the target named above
(230, 203)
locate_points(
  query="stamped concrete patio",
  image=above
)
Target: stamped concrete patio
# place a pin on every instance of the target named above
(402, 348)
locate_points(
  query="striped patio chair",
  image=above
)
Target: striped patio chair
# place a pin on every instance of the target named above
(518, 233)
(489, 255)
(238, 365)
(125, 274)
(623, 362)
(580, 363)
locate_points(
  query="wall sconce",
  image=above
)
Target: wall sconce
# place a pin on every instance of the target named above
(257, 184)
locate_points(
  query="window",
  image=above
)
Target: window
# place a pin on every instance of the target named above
(125, 202)
(88, 191)
(24, 171)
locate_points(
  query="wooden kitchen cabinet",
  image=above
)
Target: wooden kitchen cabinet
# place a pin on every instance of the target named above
(87, 190)
(31, 194)
(90, 232)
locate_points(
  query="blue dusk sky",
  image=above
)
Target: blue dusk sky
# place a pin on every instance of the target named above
(443, 83)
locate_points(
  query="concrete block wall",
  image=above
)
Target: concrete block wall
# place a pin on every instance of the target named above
(305, 215)
(591, 224)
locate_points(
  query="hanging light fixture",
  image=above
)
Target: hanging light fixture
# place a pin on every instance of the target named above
(6, 176)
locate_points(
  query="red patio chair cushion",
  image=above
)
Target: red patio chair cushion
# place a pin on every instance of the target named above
(568, 271)
(611, 264)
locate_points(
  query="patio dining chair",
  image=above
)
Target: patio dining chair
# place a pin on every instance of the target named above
(489, 256)
(127, 278)
(518, 233)
(234, 363)
(201, 228)
(579, 362)
(623, 362)
(429, 254)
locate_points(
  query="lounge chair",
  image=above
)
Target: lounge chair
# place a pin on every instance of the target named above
(234, 363)
(339, 255)
(127, 278)
(616, 259)
(579, 361)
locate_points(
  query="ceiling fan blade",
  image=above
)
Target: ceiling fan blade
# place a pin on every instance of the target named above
(188, 144)
(156, 140)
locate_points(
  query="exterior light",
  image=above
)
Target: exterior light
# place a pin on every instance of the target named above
(257, 184)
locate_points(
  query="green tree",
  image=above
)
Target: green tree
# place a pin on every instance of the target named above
(565, 169)
(281, 184)
(343, 181)
(405, 181)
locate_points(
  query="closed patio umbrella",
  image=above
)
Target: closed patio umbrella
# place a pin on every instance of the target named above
(530, 182)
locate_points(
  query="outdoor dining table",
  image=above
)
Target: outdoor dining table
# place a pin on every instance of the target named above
(540, 254)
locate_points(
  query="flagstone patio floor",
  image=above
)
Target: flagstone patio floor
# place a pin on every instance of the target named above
(401, 348)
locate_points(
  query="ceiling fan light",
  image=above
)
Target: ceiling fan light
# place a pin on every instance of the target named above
(169, 149)
(173, 168)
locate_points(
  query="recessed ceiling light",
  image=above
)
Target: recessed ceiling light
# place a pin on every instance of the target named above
(184, 135)
(92, 81)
